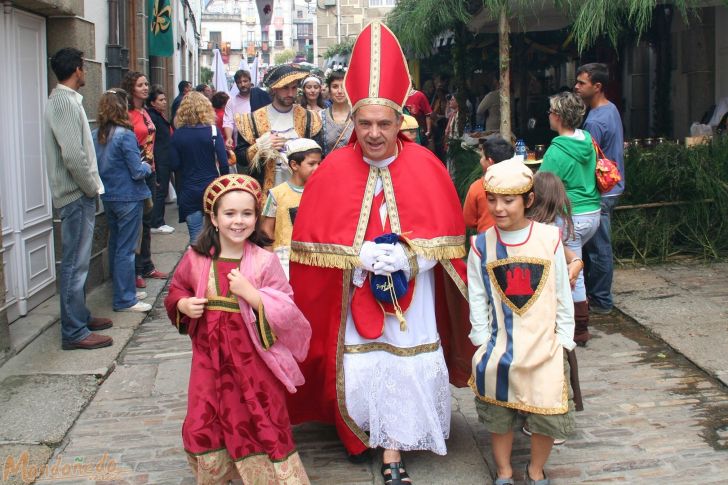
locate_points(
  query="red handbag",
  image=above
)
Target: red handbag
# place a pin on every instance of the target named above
(607, 172)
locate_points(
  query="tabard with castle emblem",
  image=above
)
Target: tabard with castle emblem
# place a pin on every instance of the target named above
(521, 366)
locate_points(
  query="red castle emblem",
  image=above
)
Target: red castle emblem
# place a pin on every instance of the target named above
(518, 282)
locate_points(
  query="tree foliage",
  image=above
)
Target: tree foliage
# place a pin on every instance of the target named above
(205, 75)
(416, 23)
(284, 56)
(342, 48)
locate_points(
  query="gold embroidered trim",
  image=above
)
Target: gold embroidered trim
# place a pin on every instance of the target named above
(377, 101)
(245, 128)
(340, 381)
(450, 269)
(414, 267)
(366, 208)
(265, 332)
(347, 257)
(392, 211)
(391, 349)
(374, 66)
(324, 255)
(517, 191)
(299, 119)
(178, 319)
(519, 259)
(439, 248)
(525, 407)
(288, 79)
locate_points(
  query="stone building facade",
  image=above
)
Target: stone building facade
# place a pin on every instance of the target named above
(111, 34)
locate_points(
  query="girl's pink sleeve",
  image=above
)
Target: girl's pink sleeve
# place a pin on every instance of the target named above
(286, 321)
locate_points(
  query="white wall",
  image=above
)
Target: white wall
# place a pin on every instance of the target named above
(97, 12)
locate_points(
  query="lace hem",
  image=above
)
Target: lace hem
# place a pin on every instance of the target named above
(403, 402)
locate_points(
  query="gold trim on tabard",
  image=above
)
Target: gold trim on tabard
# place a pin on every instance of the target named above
(376, 59)
(447, 264)
(525, 407)
(340, 379)
(391, 349)
(515, 260)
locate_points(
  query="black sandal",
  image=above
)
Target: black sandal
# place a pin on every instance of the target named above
(395, 476)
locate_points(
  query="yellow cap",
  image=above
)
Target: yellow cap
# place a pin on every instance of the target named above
(409, 123)
(509, 177)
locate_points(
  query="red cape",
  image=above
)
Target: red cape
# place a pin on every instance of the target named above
(327, 236)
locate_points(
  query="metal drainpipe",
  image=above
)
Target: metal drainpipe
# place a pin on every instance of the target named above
(338, 21)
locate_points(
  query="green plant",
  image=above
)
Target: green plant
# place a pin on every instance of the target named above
(342, 48)
(284, 56)
(675, 203)
(205, 75)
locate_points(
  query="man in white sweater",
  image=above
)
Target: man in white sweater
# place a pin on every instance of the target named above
(75, 183)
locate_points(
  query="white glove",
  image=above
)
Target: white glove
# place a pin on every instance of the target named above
(392, 261)
(370, 252)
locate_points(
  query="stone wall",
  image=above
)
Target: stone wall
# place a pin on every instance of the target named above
(355, 15)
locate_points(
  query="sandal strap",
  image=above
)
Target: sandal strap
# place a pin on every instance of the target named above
(395, 476)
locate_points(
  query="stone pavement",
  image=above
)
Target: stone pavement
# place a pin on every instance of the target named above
(652, 415)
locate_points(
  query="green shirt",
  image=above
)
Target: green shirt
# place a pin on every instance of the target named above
(574, 160)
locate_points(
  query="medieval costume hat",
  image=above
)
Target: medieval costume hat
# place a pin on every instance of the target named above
(279, 76)
(509, 177)
(409, 123)
(299, 145)
(377, 71)
(227, 183)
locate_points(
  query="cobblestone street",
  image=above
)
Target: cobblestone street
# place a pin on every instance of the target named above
(651, 417)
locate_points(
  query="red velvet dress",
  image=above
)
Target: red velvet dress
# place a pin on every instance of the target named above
(242, 412)
(237, 423)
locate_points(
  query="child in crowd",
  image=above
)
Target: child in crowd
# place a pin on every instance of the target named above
(551, 206)
(279, 213)
(522, 316)
(231, 296)
(410, 129)
(494, 149)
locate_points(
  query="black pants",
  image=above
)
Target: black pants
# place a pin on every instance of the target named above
(143, 259)
(163, 176)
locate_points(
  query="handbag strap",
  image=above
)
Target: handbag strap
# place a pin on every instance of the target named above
(600, 153)
(213, 128)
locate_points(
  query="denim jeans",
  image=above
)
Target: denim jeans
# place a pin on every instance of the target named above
(124, 225)
(599, 264)
(585, 226)
(77, 231)
(194, 225)
(143, 260)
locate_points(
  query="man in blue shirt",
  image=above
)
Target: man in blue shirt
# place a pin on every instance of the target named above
(605, 125)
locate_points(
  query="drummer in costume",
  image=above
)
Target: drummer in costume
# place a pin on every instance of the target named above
(262, 134)
(376, 269)
(522, 320)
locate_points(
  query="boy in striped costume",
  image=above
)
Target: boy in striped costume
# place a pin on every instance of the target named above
(522, 321)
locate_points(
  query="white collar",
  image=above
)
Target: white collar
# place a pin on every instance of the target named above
(380, 163)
